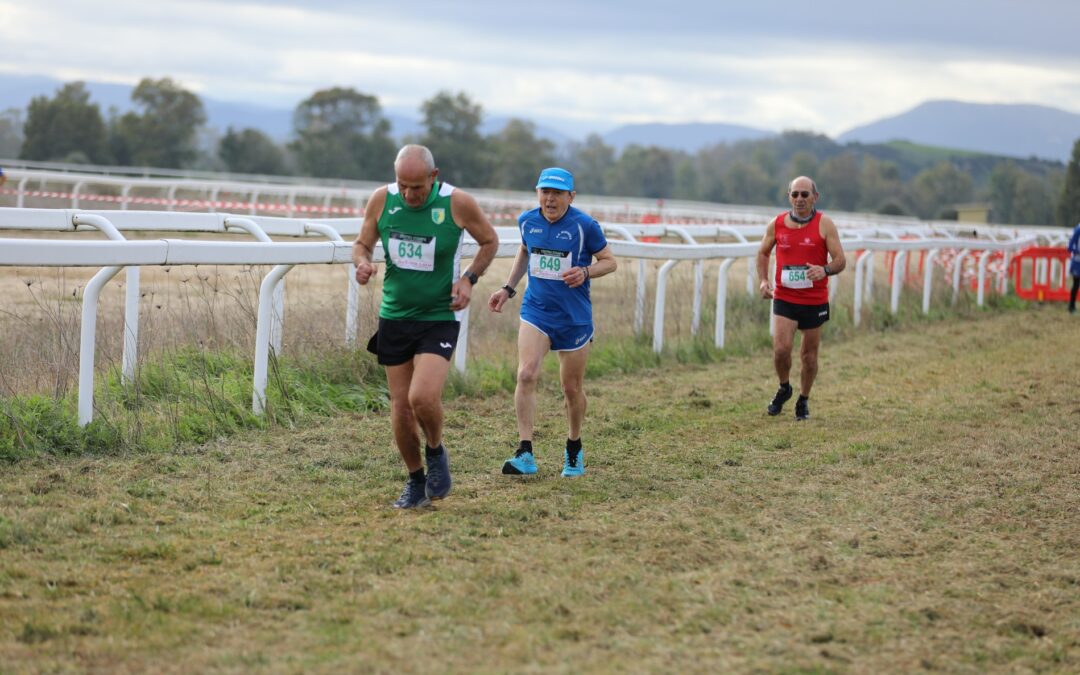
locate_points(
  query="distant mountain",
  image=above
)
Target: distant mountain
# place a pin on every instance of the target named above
(689, 137)
(999, 129)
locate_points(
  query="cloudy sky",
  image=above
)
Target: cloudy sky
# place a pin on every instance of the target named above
(577, 66)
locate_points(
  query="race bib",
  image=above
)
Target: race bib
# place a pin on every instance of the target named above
(794, 276)
(412, 252)
(546, 263)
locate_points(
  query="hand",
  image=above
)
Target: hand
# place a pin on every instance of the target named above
(575, 276)
(364, 272)
(460, 294)
(766, 289)
(815, 272)
(497, 300)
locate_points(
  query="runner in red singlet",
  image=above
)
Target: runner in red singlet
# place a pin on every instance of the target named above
(807, 251)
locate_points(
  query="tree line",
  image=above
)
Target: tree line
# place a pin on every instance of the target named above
(342, 133)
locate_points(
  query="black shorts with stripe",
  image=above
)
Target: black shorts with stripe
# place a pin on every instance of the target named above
(807, 316)
(397, 341)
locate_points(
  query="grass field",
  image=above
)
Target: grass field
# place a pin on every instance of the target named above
(924, 519)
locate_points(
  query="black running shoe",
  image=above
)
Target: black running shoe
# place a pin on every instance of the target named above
(438, 476)
(782, 396)
(802, 410)
(413, 496)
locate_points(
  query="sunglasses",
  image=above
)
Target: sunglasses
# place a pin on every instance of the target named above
(804, 194)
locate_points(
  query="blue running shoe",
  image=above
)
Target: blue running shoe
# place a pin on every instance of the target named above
(438, 476)
(412, 497)
(521, 464)
(573, 466)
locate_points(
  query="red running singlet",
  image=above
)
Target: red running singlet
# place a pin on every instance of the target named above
(796, 249)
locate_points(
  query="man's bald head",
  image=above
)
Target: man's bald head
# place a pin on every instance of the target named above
(415, 155)
(803, 183)
(415, 172)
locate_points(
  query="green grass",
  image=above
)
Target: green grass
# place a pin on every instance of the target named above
(928, 153)
(923, 519)
(189, 396)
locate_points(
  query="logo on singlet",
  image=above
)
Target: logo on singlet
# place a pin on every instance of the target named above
(394, 210)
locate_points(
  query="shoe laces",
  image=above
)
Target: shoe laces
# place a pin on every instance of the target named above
(410, 485)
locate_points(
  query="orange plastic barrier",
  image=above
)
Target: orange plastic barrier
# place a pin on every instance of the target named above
(909, 278)
(650, 219)
(1038, 261)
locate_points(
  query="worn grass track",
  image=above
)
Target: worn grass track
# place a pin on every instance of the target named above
(925, 518)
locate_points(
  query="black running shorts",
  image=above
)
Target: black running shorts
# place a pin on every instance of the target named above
(807, 316)
(397, 341)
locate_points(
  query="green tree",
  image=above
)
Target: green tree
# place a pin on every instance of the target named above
(802, 163)
(11, 132)
(1068, 210)
(1033, 201)
(747, 183)
(686, 179)
(591, 163)
(67, 126)
(938, 189)
(452, 133)
(838, 181)
(251, 151)
(881, 188)
(519, 156)
(162, 131)
(712, 165)
(1002, 186)
(644, 172)
(342, 133)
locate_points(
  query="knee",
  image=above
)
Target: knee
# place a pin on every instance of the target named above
(423, 403)
(573, 390)
(401, 405)
(528, 373)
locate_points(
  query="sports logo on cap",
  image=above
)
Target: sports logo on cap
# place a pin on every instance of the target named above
(559, 179)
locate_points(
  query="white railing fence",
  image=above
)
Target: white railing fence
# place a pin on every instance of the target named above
(116, 253)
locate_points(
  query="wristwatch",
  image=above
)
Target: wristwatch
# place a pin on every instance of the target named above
(471, 277)
(510, 292)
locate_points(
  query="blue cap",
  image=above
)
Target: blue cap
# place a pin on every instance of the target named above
(557, 178)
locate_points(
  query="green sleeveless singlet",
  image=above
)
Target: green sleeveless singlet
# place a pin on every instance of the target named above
(423, 252)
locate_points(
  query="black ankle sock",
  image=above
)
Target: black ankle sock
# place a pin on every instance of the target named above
(573, 446)
(786, 386)
(417, 476)
(803, 399)
(433, 452)
(524, 446)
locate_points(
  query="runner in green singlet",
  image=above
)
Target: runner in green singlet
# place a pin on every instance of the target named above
(419, 220)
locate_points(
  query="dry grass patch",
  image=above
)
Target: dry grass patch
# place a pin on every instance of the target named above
(925, 518)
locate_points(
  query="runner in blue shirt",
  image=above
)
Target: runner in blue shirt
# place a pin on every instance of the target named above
(1074, 267)
(558, 247)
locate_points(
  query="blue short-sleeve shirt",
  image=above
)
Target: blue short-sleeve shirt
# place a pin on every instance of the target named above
(574, 238)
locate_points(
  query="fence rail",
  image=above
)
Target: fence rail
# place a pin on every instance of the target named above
(116, 253)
